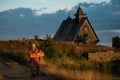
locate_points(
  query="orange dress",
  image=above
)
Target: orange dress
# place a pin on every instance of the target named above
(35, 56)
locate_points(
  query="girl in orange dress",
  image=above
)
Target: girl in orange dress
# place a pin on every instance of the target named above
(35, 54)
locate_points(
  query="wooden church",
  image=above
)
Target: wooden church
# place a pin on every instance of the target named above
(77, 30)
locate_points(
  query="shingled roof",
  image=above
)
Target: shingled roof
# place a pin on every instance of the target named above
(70, 28)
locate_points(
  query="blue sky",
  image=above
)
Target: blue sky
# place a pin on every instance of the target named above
(25, 18)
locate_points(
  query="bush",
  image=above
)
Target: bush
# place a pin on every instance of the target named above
(116, 42)
(48, 37)
(49, 49)
(36, 37)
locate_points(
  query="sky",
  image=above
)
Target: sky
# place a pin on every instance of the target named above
(26, 18)
(51, 5)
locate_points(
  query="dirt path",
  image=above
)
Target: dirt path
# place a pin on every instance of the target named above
(11, 70)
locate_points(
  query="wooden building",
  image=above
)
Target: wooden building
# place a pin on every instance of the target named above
(78, 29)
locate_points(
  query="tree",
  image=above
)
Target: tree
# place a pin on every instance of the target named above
(116, 42)
(36, 37)
(48, 47)
(48, 37)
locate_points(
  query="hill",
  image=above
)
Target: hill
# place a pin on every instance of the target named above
(63, 60)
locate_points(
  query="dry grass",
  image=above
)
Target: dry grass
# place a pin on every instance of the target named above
(74, 75)
(82, 47)
(104, 56)
(22, 46)
(1, 78)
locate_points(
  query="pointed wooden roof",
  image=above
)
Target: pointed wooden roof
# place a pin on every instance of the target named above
(79, 12)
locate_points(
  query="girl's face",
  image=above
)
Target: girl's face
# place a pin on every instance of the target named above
(33, 46)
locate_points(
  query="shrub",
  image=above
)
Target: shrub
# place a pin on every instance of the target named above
(116, 42)
(48, 37)
(36, 37)
(49, 49)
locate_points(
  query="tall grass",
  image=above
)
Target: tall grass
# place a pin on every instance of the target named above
(1, 77)
(63, 73)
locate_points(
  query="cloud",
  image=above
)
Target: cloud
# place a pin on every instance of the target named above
(40, 10)
(112, 31)
(23, 22)
(117, 31)
(67, 9)
(102, 15)
(117, 13)
(26, 22)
